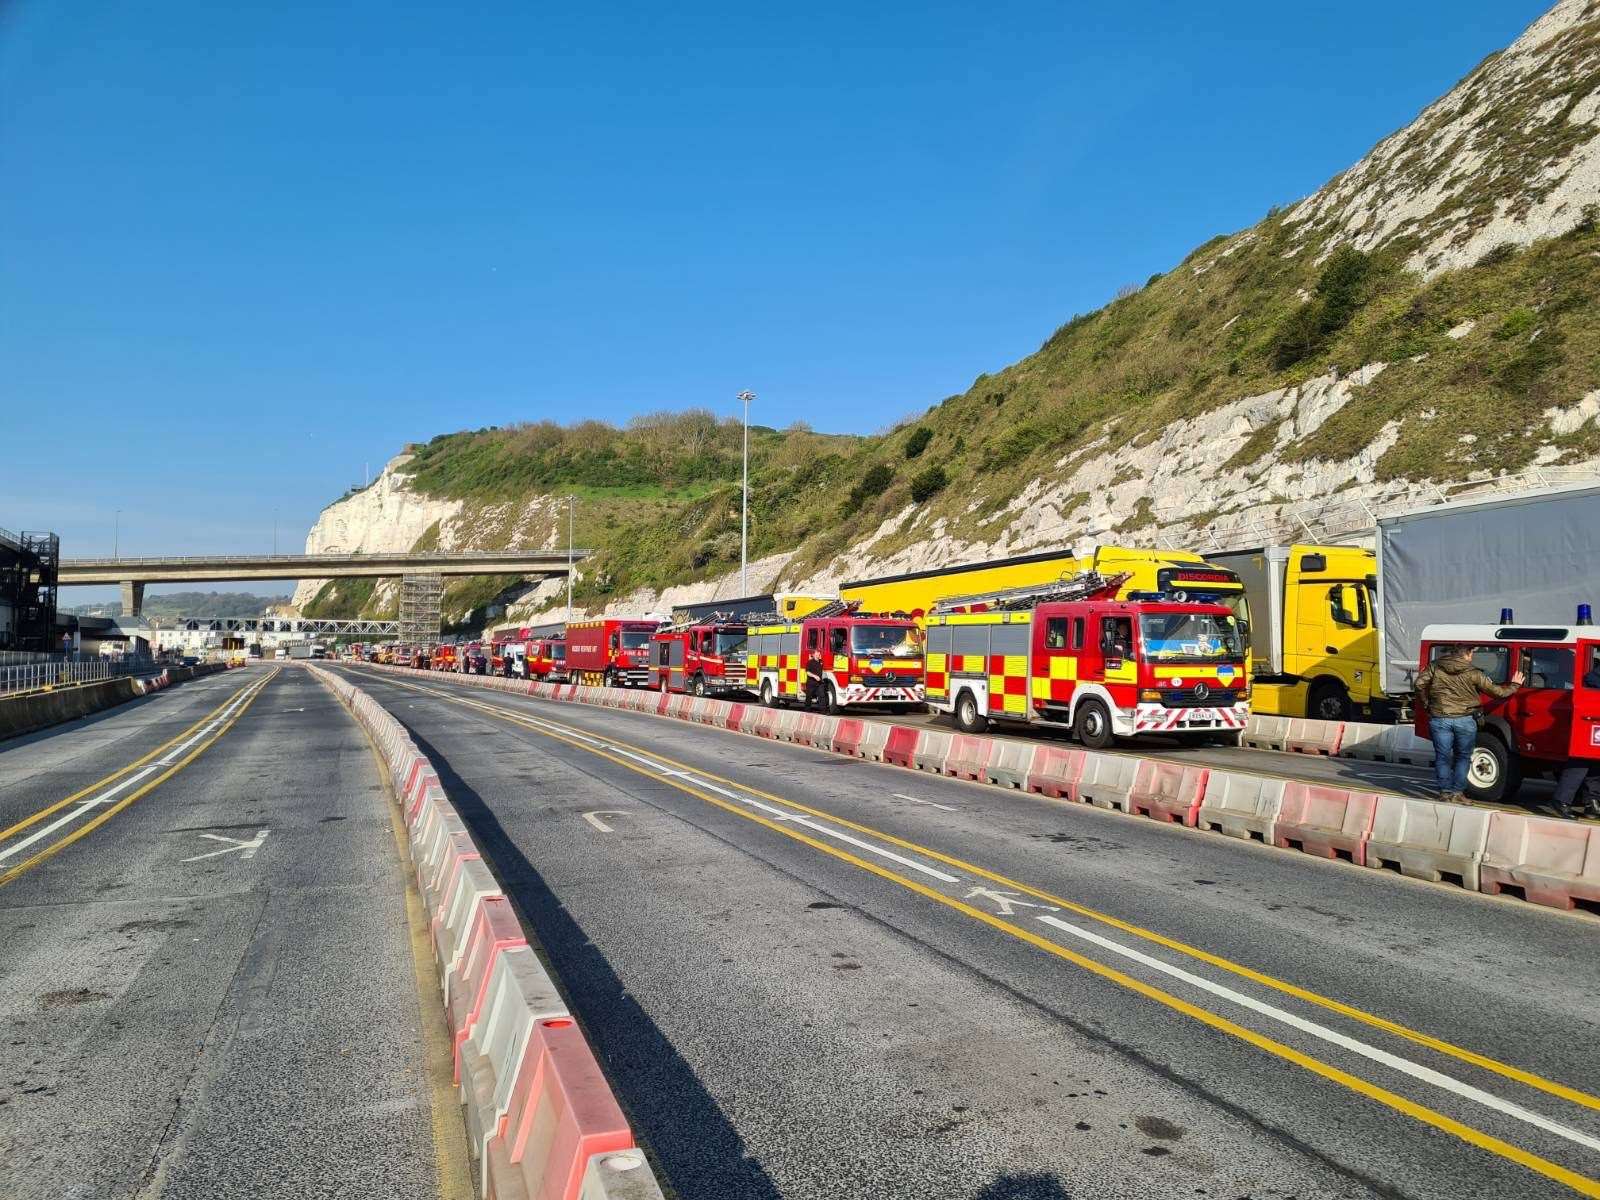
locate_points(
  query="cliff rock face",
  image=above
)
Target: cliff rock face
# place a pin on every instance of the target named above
(1426, 325)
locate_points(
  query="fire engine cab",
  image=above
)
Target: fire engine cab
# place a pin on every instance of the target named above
(705, 658)
(871, 661)
(1553, 717)
(1068, 654)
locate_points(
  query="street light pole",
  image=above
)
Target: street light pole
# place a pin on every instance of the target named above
(274, 533)
(116, 536)
(571, 500)
(744, 511)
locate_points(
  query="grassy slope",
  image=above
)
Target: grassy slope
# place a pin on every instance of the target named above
(1243, 315)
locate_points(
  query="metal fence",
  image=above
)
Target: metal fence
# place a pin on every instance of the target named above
(28, 677)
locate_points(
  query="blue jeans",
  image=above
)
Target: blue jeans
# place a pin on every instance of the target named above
(1453, 739)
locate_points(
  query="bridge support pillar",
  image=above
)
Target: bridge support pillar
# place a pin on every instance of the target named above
(132, 597)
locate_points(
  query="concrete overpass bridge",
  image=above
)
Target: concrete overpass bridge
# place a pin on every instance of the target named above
(421, 573)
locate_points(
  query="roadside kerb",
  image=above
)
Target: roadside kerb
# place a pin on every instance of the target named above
(539, 1111)
(1545, 861)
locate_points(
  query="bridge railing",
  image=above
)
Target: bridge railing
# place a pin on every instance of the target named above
(300, 560)
(30, 677)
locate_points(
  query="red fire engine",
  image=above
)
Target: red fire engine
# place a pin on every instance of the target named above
(614, 651)
(547, 660)
(1553, 717)
(870, 660)
(1068, 654)
(443, 658)
(705, 658)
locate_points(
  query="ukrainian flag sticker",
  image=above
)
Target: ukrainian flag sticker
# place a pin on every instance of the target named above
(1225, 673)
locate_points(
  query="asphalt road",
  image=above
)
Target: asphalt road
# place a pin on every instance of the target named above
(212, 993)
(811, 976)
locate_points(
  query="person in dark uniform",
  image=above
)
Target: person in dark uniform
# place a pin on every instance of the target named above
(816, 679)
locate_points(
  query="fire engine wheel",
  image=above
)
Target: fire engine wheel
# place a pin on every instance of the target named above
(699, 687)
(766, 694)
(1493, 773)
(609, 679)
(1328, 701)
(830, 701)
(968, 718)
(1092, 725)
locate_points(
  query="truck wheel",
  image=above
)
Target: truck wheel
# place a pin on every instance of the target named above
(830, 701)
(1092, 725)
(1328, 701)
(699, 685)
(1494, 773)
(766, 694)
(968, 718)
(610, 678)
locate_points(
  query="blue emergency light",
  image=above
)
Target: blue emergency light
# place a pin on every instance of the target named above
(1505, 616)
(1585, 615)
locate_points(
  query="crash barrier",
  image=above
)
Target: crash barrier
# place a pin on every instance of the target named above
(542, 1122)
(1545, 861)
(40, 710)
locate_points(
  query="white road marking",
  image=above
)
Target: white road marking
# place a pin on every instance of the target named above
(594, 818)
(1007, 902)
(244, 849)
(929, 803)
(1322, 1032)
(144, 772)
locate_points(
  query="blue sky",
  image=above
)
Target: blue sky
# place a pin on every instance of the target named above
(247, 249)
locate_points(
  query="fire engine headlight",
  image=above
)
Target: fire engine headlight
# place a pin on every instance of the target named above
(858, 679)
(1150, 694)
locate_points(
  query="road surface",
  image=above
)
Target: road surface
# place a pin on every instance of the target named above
(207, 985)
(811, 976)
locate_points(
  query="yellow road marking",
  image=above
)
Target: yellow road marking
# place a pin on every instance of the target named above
(1582, 1184)
(117, 774)
(1460, 1053)
(89, 827)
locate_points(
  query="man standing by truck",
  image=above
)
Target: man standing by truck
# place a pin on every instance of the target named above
(816, 680)
(1452, 691)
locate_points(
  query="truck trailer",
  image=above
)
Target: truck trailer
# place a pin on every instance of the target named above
(614, 652)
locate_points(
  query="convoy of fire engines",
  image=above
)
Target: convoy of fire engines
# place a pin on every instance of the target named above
(1123, 642)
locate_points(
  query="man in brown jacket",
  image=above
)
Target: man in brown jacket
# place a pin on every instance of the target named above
(1452, 691)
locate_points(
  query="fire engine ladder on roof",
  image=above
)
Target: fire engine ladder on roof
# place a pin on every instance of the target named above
(717, 618)
(1080, 587)
(834, 608)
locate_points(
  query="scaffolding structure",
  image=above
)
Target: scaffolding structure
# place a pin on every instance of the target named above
(29, 566)
(421, 596)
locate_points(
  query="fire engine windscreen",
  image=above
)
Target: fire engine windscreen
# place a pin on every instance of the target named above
(886, 641)
(1190, 637)
(731, 644)
(635, 639)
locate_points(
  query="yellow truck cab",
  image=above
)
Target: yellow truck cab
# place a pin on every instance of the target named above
(1313, 629)
(1168, 572)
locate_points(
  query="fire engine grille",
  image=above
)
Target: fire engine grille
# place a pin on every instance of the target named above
(1215, 697)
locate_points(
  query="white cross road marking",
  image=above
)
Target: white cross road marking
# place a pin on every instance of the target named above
(1007, 902)
(244, 849)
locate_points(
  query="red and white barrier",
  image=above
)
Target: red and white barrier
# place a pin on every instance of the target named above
(1009, 765)
(1556, 863)
(931, 751)
(1055, 771)
(968, 756)
(1427, 840)
(1168, 791)
(541, 1119)
(1330, 822)
(1106, 780)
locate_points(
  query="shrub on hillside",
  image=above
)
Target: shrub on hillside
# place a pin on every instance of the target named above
(928, 484)
(1340, 292)
(918, 441)
(870, 486)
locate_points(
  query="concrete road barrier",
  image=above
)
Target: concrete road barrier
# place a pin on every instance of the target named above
(932, 751)
(818, 734)
(1055, 771)
(541, 1119)
(1241, 806)
(1314, 737)
(1555, 863)
(1106, 780)
(1266, 733)
(1428, 840)
(901, 745)
(874, 741)
(1330, 822)
(968, 756)
(847, 737)
(1010, 764)
(1168, 791)
(562, 1115)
